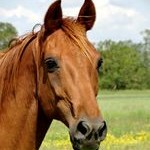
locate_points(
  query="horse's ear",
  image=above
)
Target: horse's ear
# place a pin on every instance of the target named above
(53, 18)
(87, 14)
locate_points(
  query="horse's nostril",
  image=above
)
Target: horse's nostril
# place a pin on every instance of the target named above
(102, 129)
(83, 127)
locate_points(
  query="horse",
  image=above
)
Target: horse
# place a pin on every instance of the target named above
(52, 74)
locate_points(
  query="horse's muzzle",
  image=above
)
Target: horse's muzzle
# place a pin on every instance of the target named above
(88, 135)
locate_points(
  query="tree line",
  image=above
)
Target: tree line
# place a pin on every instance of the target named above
(7, 32)
(126, 65)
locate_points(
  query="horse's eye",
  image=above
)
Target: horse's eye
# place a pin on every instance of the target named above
(99, 64)
(51, 65)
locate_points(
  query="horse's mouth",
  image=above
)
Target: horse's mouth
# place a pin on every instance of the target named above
(84, 136)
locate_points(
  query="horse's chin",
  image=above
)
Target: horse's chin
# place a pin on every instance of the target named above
(86, 145)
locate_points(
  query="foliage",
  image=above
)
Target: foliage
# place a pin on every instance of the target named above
(146, 38)
(126, 65)
(7, 32)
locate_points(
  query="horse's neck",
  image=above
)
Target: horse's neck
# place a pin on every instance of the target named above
(21, 117)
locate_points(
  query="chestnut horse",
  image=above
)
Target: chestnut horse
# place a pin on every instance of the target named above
(52, 74)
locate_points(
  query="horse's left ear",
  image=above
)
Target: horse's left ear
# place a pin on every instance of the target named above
(87, 14)
(53, 18)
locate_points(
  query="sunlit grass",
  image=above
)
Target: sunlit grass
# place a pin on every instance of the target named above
(128, 118)
(127, 140)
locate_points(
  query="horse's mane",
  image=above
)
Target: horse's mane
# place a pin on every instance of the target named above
(9, 65)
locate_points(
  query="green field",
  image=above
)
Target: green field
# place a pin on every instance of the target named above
(128, 118)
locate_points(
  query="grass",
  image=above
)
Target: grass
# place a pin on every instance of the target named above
(127, 114)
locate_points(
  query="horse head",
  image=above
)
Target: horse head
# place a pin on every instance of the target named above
(68, 75)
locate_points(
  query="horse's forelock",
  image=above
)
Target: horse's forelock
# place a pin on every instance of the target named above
(77, 33)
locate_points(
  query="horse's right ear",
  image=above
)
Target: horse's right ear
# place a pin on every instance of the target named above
(53, 18)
